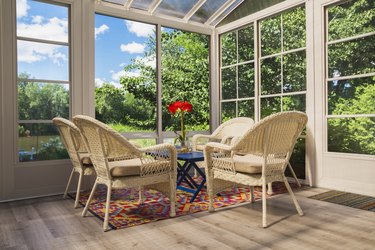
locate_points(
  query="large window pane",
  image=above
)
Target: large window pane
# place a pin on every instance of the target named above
(351, 18)
(297, 160)
(228, 111)
(294, 29)
(47, 21)
(185, 76)
(125, 74)
(294, 72)
(246, 80)
(43, 61)
(269, 106)
(351, 96)
(246, 44)
(38, 142)
(352, 57)
(271, 75)
(246, 109)
(42, 101)
(352, 135)
(228, 49)
(270, 30)
(228, 81)
(294, 102)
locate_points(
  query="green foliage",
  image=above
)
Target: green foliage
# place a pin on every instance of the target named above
(53, 149)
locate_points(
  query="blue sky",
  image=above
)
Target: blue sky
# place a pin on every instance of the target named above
(117, 41)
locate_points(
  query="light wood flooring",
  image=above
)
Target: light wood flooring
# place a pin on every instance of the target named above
(53, 223)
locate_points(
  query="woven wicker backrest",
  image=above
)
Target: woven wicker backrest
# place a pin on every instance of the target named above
(234, 127)
(104, 143)
(71, 138)
(274, 135)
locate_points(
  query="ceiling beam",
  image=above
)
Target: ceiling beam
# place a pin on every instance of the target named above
(194, 9)
(154, 5)
(128, 4)
(222, 18)
(220, 11)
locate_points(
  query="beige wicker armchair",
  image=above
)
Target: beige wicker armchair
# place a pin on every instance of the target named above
(224, 133)
(119, 164)
(259, 157)
(77, 151)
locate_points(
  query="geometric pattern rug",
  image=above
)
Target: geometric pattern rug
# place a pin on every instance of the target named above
(347, 199)
(125, 211)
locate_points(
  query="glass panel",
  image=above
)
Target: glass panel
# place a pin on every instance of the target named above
(246, 44)
(294, 29)
(297, 160)
(42, 101)
(271, 75)
(142, 4)
(294, 102)
(246, 109)
(228, 49)
(144, 142)
(185, 77)
(351, 58)
(43, 61)
(228, 81)
(228, 111)
(352, 96)
(351, 18)
(352, 135)
(246, 80)
(206, 10)
(175, 8)
(120, 2)
(294, 75)
(42, 21)
(269, 106)
(270, 30)
(226, 12)
(38, 142)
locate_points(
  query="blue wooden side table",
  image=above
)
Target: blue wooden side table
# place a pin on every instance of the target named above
(190, 159)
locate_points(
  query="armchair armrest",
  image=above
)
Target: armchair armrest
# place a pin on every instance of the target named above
(199, 136)
(160, 159)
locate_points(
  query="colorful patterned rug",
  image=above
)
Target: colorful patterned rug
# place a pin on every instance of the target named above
(125, 211)
(347, 199)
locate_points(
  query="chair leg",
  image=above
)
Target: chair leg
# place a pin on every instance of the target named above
(270, 191)
(140, 195)
(264, 205)
(210, 189)
(252, 194)
(67, 185)
(294, 174)
(78, 189)
(107, 206)
(90, 198)
(299, 210)
(172, 198)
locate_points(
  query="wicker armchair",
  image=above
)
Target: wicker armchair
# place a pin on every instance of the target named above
(259, 157)
(120, 164)
(224, 133)
(77, 151)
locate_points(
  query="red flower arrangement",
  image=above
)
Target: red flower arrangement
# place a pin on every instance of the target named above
(179, 108)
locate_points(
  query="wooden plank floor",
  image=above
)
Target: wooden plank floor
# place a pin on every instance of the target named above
(53, 223)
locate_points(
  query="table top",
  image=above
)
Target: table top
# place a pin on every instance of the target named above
(191, 156)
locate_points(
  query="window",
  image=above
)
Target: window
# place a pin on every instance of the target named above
(350, 77)
(257, 82)
(43, 56)
(126, 78)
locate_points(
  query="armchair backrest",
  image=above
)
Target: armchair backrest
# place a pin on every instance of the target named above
(234, 127)
(104, 143)
(275, 135)
(72, 139)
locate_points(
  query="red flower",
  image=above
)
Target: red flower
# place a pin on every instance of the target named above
(180, 106)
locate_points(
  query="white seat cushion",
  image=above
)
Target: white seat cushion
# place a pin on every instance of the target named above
(250, 164)
(125, 168)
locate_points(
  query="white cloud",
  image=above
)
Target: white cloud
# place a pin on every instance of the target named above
(33, 52)
(148, 61)
(53, 29)
(133, 48)
(99, 83)
(140, 29)
(122, 65)
(101, 30)
(22, 8)
(117, 75)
